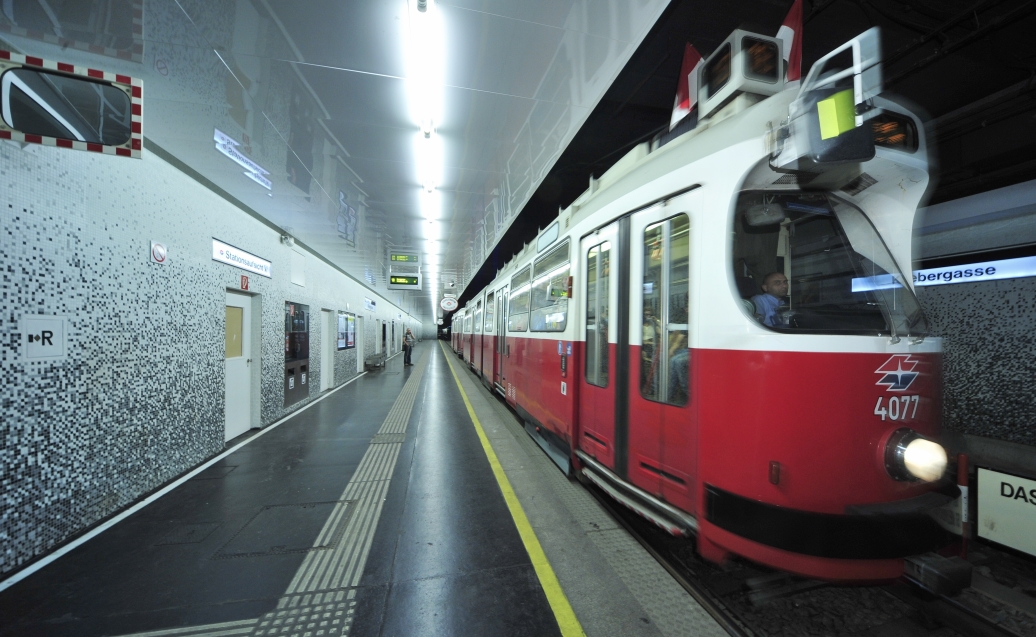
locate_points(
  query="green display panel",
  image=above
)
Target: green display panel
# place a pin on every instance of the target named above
(404, 280)
(404, 258)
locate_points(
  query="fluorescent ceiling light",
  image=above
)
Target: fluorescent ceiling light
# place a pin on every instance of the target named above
(431, 204)
(428, 152)
(426, 56)
(426, 63)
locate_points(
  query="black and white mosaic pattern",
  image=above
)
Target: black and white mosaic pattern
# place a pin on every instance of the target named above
(140, 397)
(988, 331)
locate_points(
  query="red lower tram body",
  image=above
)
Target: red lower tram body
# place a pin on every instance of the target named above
(777, 456)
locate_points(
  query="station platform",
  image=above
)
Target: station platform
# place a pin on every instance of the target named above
(409, 501)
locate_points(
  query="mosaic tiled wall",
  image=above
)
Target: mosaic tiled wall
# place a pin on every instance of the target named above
(140, 397)
(988, 331)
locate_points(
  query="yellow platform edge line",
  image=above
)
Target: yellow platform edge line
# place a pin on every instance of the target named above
(563, 613)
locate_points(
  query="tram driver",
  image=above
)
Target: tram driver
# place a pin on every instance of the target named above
(768, 304)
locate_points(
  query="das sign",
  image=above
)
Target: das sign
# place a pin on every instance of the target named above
(1007, 510)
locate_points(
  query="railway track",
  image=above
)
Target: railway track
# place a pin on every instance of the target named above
(751, 601)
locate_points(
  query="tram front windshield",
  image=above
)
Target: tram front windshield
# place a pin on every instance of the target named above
(841, 278)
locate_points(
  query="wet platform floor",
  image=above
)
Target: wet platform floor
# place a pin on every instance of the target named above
(371, 512)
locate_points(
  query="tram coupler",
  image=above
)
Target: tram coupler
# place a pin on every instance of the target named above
(938, 574)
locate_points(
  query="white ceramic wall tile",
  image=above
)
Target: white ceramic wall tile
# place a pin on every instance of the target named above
(140, 397)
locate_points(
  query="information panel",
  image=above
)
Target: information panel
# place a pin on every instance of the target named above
(1007, 510)
(404, 282)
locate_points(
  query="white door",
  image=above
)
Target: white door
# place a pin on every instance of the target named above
(359, 344)
(328, 340)
(238, 371)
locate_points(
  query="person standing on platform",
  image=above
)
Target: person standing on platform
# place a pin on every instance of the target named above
(408, 347)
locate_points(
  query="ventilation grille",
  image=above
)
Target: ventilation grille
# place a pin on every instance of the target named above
(858, 185)
(791, 179)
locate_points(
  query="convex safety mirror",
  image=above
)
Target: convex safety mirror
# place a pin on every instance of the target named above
(69, 106)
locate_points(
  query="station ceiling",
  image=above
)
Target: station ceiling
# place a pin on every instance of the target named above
(531, 98)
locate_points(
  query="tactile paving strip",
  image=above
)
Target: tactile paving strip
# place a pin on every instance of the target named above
(321, 599)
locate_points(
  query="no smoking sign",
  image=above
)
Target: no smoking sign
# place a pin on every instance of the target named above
(159, 254)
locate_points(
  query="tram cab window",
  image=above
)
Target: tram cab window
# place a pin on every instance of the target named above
(518, 304)
(550, 290)
(841, 277)
(598, 271)
(664, 360)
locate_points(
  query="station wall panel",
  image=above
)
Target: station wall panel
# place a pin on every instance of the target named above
(989, 332)
(140, 398)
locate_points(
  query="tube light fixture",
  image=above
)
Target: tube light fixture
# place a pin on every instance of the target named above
(430, 204)
(426, 64)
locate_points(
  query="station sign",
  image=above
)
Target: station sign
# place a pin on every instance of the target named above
(965, 273)
(448, 304)
(1007, 510)
(43, 338)
(226, 253)
(227, 146)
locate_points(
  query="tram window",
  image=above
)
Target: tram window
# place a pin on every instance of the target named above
(490, 325)
(518, 304)
(664, 360)
(841, 277)
(598, 270)
(550, 301)
(467, 324)
(478, 317)
(550, 291)
(552, 260)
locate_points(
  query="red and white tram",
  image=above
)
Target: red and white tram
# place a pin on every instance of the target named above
(635, 340)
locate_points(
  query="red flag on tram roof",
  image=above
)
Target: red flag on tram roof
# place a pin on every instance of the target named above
(790, 34)
(687, 87)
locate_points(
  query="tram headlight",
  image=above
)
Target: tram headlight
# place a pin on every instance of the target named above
(909, 456)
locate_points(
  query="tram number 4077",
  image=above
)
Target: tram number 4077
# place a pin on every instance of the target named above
(899, 408)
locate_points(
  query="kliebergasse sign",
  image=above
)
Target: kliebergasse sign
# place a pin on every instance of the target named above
(1007, 510)
(988, 271)
(240, 259)
(966, 273)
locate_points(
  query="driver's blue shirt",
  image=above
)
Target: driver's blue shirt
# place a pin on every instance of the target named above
(766, 306)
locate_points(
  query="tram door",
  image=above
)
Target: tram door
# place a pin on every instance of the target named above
(662, 424)
(499, 372)
(634, 397)
(600, 436)
(476, 339)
